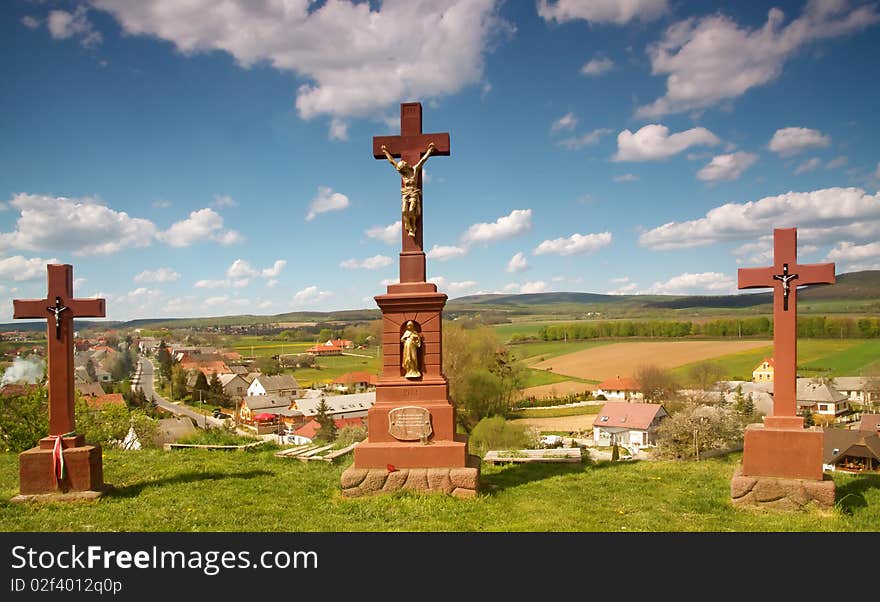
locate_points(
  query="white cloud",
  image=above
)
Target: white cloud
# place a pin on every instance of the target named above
(226, 283)
(387, 281)
(597, 66)
(791, 141)
(445, 252)
(30, 22)
(63, 25)
(578, 142)
(357, 60)
(326, 200)
(712, 59)
(20, 268)
(517, 263)
(714, 283)
(311, 295)
(224, 200)
(338, 129)
(389, 234)
(538, 286)
(837, 162)
(625, 286)
(601, 11)
(654, 142)
(81, 226)
(849, 252)
(822, 216)
(808, 165)
(727, 167)
(160, 275)
(204, 224)
(517, 222)
(271, 283)
(274, 271)
(576, 244)
(370, 263)
(566, 122)
(241, 269)
(627, 177)
(755, 253)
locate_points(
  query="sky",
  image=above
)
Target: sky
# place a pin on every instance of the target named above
(201, 158)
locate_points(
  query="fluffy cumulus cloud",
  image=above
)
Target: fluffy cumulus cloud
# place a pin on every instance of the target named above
(712, 59)
(601, 11)
(597, 66)
(311, 295)
(848, 252)
(444, 252)
(454, 288)
(389, 234)
(370, 263)
(63, 25)
(356, 58)
(624, 286)
(576, 244)
(538, 286)
(727, 167)
(241, 269)
(275, 270)
(30, 22)
(824, 216)
(20, 268)
(791, 141)
(202, 225)
(517, 263)
(326, 200)
(808, 165)
(653, 142)
(713, 283)
(517, 222)
(81, 226)
(160, 275)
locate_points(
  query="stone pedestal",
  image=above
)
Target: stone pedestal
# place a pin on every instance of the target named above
(782, 466)
(84, 472)
(418, 461)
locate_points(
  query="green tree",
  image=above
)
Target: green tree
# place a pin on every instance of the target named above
(178, 382)
(656, 384)
(165, 361)
(498, 433)
(705, 375)
(267, 365)
(24, 420)
(201, 389)
(328, 425)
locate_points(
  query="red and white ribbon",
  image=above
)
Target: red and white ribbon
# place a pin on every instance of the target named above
(58, 468)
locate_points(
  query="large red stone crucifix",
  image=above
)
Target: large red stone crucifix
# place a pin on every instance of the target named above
(59, 308)
(411, 146)
(784, 277)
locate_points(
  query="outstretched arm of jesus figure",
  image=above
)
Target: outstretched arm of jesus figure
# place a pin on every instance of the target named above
(390, 158)
(427, 154)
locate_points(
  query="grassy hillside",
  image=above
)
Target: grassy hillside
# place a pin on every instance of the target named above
(197, 490)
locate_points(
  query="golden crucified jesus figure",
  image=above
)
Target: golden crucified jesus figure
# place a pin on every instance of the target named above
(410, 191)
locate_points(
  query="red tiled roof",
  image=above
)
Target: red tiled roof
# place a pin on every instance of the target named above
(108, 399)
(16, 390)
(769, 360)
(356, 377)
(310, 428)
(870, 422)
(621, 414)
(619, 384)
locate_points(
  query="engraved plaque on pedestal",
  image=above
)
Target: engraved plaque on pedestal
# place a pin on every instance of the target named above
(409, 423)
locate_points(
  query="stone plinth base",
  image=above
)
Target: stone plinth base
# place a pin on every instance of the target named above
(781, 493)
(58, 496)
(436, 454)
(792, 453)
(84, 471)
(461, 481)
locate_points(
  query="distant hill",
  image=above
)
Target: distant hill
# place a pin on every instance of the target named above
(862, 289)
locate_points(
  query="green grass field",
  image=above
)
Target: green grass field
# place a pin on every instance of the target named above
(199, 490)
(337, 365)
(537, 350)
(258, 347)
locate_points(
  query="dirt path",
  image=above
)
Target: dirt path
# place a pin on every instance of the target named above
(581, 422)
(624, 359)
(567, 387)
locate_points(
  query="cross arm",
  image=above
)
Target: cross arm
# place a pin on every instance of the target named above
(816, 273)
(755, 278)
(397, 145)
(30, 308)
(88, 308)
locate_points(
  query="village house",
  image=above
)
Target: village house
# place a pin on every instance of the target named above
(764, 372)
(282, 385)
(207, 364)
(331, 347)
(851, 451)
(307, 432)
(253, 406)
(619, 389)
(234, 385)
(761, 394)
(858, 389)
(352, 382)
(354, 405)
(630, 424)
(90, 389)
(870, 423)
(820, 397)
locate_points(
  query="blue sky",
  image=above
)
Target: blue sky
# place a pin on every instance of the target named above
(202, 158)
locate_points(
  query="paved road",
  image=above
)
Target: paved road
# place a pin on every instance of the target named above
(145, 377)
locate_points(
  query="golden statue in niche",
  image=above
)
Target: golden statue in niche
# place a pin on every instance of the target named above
(412, 341)
(410, 191)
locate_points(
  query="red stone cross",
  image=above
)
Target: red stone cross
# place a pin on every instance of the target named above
(784, 277)
(410, 145)
(59, 308)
